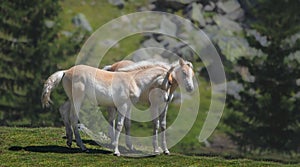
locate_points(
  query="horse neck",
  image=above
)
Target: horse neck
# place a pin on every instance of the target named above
(175, 75)
(152, 77)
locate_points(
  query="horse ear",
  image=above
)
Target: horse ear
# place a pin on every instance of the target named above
(181, 62)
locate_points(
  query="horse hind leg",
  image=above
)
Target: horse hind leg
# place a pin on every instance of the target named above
(64, 110)
(122, 111)
(78, 97)
(119, 127)
(111, 119)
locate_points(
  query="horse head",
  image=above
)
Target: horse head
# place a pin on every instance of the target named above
(184, 75)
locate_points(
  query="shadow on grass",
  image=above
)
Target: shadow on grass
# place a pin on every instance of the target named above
(57, 149)
(66, 150)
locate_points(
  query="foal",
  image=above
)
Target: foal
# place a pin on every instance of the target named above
(182, 75)
(159, 114)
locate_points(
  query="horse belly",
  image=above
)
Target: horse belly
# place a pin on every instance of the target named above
(104, 98)
(100, 94)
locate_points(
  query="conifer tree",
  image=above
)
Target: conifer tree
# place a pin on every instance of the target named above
(267, 114)
(32, 45)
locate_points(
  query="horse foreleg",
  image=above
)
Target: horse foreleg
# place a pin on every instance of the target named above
(64, 111)
(155, 121)
(127, 125)
(119, 127)
(163, 126)
(155, 136)
(156, 97)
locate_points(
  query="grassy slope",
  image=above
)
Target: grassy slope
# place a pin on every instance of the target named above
(46, 147)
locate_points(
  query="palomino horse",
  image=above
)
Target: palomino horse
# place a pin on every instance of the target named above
(133, 83)
(159, 114)
(65, 109)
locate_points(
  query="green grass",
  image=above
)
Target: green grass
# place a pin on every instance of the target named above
(46, 147)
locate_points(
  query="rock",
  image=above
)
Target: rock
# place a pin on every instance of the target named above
(93, 3)
(152, 43)
(149, 54)
(298, 82)
(173, 4)
(186, 53)
(228, 6)
(227, 24)
(151, 7)
(210, 7)
(109, 43)
(168, 42)
(233, 47)
(168, 27)
(119, 3)
(261, 39)
(236, 15)
(80, 21)
(208, 20)
(211, 30)
(183, 36)
(67, 33)
(196, 14)
(49, 23)
(291, 41)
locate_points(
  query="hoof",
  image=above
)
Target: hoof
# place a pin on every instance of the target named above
(117, 154)
(69, 144)
(83, 148)
(167, 152)
(156, 152)
(86, 151)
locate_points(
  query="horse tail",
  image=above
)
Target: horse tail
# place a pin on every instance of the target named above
(49, 85)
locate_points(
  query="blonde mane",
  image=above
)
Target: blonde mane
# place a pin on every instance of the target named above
(144, 65)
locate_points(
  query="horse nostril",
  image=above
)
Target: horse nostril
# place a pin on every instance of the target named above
(189, 88)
